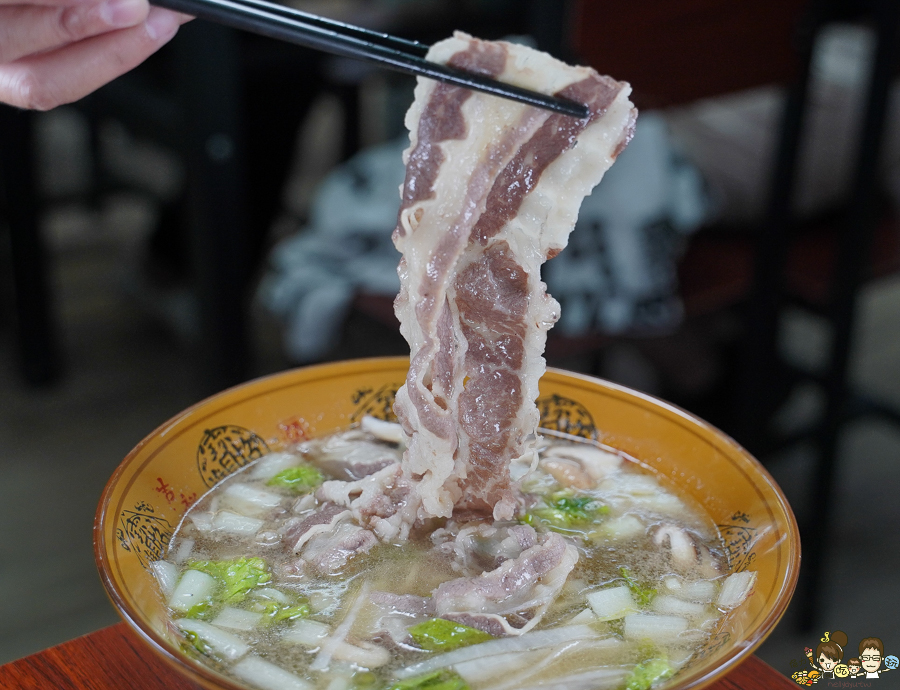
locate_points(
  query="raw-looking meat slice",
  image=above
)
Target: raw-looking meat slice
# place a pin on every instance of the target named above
(396, 613)
(327, 553)
(512, 598)
(383, 502)
(352, 456)
(322, 521)
(492, 191)
(476, 548)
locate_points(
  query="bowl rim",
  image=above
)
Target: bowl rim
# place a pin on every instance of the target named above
(211, 678)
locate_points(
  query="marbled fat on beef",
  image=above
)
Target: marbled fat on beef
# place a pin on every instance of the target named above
(492, 191)
(320, 521)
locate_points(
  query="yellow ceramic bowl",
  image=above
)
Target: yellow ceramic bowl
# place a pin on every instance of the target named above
(153, 487)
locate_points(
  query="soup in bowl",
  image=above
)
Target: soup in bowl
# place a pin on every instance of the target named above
(161, 490)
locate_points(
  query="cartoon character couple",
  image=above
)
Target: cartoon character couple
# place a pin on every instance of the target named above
(830, 653)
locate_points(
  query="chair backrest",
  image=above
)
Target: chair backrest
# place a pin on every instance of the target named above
(675, 51)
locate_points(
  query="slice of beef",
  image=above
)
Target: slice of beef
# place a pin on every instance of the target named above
(321, 521)
(328, 553)
(523, 586)
(492, 191)
(406, 604)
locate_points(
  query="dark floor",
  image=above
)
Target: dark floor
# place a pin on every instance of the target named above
(126, 373)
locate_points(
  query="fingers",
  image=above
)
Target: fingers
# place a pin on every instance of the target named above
(44, 81)
(28, 29)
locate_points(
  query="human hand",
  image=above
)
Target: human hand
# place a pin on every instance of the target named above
(56, 51)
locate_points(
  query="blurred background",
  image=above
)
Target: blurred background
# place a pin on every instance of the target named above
(225, 212)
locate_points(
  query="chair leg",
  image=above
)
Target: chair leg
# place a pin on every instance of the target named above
(35, 327)
(208, 82)
(854, 252)
(759, 361)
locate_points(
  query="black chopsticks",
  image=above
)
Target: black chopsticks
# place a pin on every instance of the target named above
(338, 38)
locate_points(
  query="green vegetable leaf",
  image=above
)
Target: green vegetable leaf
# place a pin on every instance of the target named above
(236, 578)
(362, 680)
(196, 641)
(442, 679)
(439, 634)
(289, 613)
(199, 610)
(301, 479)
(564, 512)
(276, 611)
(642, 595)
(648, 672)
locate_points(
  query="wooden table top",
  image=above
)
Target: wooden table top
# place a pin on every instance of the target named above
(115, 659)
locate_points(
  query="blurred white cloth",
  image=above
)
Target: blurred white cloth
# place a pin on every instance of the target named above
(347, 247)
(618, 273)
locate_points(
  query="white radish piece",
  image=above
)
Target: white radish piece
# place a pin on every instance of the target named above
(238, 525)
(237, 619)
(272, 594)
(610, 604)
(222, 644)
(250, 500)
(654, 627)
(184, 549)
(273, 463)
(673, 584)
(304, 503)
(622, 528)
(193, 588)
(667, 604)
(701, 591)
(365, 654)
(267, 676)
(666, 504)
(633, 485)
(203, 521)
(307, 632)
(735, 590)
(384, 431)
(586, 617)
(166, 575)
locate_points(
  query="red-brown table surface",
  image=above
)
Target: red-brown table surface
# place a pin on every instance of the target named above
(115, 659)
